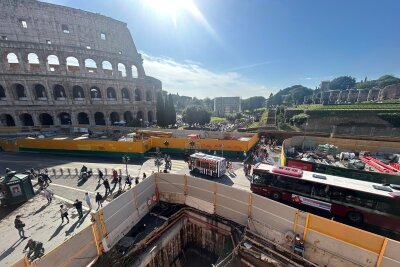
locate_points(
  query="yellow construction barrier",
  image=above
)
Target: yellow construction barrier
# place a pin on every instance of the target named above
(351, 235)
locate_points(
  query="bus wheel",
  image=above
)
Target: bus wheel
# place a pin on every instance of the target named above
(276, 196)
(355, 217)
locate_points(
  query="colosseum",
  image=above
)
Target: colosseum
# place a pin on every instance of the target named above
(63, 66)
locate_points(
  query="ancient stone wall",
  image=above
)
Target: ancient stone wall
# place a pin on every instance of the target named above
(61, 66)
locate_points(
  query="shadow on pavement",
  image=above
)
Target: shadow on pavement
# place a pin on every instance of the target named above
(57, 231)
(8, 251)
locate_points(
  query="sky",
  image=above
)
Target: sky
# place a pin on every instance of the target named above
(209, 48)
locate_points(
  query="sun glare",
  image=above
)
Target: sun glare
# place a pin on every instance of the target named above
(171, 8)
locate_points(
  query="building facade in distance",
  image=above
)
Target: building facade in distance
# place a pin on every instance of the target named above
(227, 105)
(64, 66)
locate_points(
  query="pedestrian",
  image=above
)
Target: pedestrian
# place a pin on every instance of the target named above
(128, 182)
(20, 226)
(99, 198)
(119, 182)
(46, 179)
(64, 213)
(48, 194)
(107, 186)
(144, 176)
(87, 199)
(100, 175)
(137, 180)
(41, 182)
(78, 206)
(115, 175)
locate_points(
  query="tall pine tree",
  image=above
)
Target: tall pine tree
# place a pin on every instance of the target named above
(170, 110)
(160, 110)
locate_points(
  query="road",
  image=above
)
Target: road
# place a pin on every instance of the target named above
(68, 187)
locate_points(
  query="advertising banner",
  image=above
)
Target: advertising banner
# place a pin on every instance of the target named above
(312, 202)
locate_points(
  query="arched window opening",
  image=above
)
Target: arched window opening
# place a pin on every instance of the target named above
(114, 117)
(40, 92)
(125, 94)
(78, 92)
(134, 72)
(20, 92)
(111, 95)
(46, 119)
(59, 92)
(83, 118)
(150, 116)
(13, 62)
(138, 95)
(73, 64)
(6, 120)
(95, 93)
(149, 96)
(2, 93)
(121, 70)
(128, 117)
(26, 119)
(65, 118)
(139, 115)
(90, 65)
(33, 62)
(107, 68)
(53, 64)
(99, 118)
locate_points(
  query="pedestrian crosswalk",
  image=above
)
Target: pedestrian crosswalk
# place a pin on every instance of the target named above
(177, 167)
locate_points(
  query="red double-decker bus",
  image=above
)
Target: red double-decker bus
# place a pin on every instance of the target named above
(358, 201)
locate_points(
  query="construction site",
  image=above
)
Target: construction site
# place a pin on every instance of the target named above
(375, 161)
(179, 220)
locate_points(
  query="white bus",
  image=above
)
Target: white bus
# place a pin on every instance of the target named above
(207, 164)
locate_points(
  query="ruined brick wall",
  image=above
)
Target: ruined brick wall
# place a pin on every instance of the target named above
(60, 65)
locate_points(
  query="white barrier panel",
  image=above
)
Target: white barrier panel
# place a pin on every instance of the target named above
(391, 257)
(276, 215)
(232, 203)
(79, 250)
(121, 214)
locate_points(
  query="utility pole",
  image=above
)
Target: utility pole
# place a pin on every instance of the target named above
(125, 160)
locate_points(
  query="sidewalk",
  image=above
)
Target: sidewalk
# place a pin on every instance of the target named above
(43, 223)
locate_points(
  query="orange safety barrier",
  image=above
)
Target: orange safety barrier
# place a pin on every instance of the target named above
(348, 234)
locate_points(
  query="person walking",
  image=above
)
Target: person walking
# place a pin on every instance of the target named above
(137, 180)
(119, 183)
(64, 213)
(144, 176)
(100, 176)
(99, 198)
(78, 207)
(20, 226)
(128, 182)
(107, 186)
(87, 199)
(48, 194)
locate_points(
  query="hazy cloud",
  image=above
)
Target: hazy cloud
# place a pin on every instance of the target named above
(191, 79)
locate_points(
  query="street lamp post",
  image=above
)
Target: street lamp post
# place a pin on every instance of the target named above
(125, 160)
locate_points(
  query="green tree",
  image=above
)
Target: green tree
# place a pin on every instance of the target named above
(343, 83)
(299, 119)
(386, 80)
(196, 114)
(170, 113)
(253, 103)
(160, 110)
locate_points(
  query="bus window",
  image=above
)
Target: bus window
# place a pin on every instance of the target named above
(213, 167)
(205, 165)
(258, 179)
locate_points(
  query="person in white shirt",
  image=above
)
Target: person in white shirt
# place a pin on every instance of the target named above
(64, 213)
(87, 199)
(48, 194)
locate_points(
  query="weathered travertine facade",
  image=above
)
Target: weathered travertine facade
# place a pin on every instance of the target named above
(61, 66)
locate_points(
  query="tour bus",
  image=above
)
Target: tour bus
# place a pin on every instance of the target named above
(359, 201)
(207, 164)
